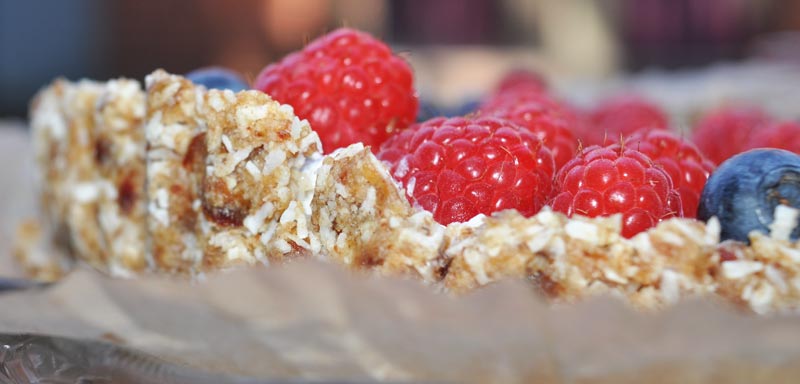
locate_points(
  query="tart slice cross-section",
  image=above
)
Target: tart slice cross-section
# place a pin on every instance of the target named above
(365, 221)
(227, 177)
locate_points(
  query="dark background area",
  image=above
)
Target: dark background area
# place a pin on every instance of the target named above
(40, 40)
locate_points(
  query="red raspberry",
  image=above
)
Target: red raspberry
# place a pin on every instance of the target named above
(725, 132)
(522, 79)
(516, 96)
(781, 135)
(684, 163)
(349, 86)
(457, 167)
(620, 116)
(602, 181)
(548, 119)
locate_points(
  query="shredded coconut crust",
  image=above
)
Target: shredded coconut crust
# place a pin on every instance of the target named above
(225, 177)
(90, 152)
(364, 220)
(37, 254)
(220, 179)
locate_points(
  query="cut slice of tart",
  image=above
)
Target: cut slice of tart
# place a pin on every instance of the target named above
(225, 177)
(90, 149)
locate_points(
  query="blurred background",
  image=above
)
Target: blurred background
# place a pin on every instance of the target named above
(575, 39)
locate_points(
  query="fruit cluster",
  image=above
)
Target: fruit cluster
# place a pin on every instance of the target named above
(523, 148)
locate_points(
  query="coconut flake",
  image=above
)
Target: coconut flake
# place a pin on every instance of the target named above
(274, 159)
(784, 223)
(737, 269)
(583, 231)
(254, 222)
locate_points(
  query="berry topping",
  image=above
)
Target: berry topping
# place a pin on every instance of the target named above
(727, 131)
(457, 168)
(602, 181)
(548, 119)
(745, 190)
(349, 86)
(217, 78)
(688, 168)
(781, 135)
(620, 116)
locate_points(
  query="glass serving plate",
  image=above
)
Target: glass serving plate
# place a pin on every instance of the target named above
(27, 358)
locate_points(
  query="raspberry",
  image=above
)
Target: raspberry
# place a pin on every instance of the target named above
(516, 96)
(725, 132)
(683, 162)
(349, 86)
(602, 181)
(781, 135)
(522, 79)
(458, 167)
(548, 119)
(620, 116)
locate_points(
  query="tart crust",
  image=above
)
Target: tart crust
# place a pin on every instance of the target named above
(225, 177)
(89, 148)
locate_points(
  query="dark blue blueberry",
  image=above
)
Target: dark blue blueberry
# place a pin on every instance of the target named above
(217, 78)
(744, 191)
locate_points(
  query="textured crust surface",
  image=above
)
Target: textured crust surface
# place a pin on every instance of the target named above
(226, 184)
(254, 191)
(119, 155)
(90, 152)
(175, 146)
(50, 128)
(764, 277)
(570, 258)
(36, 253)
(63, 127)
(365, 221)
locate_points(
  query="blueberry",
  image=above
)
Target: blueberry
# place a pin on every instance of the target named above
(744, 191)
(217, 78)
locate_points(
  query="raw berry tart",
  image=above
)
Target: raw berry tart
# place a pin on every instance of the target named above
(189, 175)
